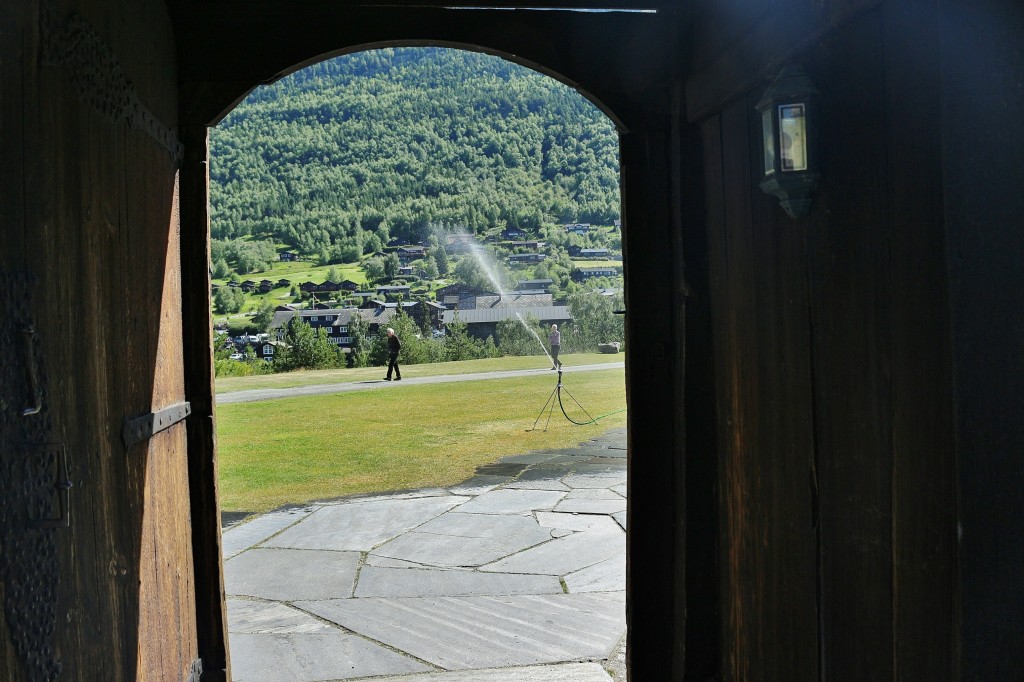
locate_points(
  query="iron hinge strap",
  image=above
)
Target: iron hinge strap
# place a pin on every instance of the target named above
(146, 426)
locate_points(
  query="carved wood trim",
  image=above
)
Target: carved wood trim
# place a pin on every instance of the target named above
(97, 77)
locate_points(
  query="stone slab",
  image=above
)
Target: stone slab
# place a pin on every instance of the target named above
(568, 672)
(459, 633)
(262, 617)
(408, 582)
(362, 525)
(577, 522)
(250, 533)
(607, 576)
(592, 501)
(388, 562)
(290, 574)
(597, 479)
(513, 501)
(308, 657)
(478, 485)
(620, 489)
(539, 479)
(456, 539)
(620, 518)
(563, 555)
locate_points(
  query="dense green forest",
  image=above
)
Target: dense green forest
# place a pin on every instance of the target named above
(341, 156)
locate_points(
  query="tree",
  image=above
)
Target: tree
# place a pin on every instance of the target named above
(391, 265)
(374, 270)
(430, 270)
(306, 348)
(333, 276)
(358, 331)
(221, 269)
(264, 315)
(228, 300)
(523, 337)
(594, 321)
(459, 345)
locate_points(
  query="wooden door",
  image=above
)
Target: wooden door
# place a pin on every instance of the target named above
(91, 328)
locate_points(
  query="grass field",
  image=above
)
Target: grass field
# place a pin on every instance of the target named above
(341, 376)
(296, 450)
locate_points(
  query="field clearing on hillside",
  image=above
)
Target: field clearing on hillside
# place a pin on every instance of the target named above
(297, 450)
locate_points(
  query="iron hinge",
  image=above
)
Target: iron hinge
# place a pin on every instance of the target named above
(141, 428)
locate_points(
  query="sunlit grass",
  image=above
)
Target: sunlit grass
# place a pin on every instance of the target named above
(296, 450)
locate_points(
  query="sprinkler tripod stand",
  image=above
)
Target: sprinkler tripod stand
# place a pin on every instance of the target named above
(556, 396)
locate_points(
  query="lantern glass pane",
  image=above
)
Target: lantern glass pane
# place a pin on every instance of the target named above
(769, 142)
(793, 137)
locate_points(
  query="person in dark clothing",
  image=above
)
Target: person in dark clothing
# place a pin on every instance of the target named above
(394, 345)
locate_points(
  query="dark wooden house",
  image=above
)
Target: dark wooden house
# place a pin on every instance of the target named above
(826, 421)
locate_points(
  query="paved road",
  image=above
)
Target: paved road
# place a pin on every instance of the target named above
(257, 394)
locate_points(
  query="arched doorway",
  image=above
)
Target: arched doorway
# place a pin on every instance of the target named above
(626, 61)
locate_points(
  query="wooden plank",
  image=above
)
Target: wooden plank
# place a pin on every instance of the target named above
(924, 495)
(654, 620)
(784, 455)
(13, 65)
(199, 391)
(982, 88)
(760, 328)
(15, 85)
(849, 248)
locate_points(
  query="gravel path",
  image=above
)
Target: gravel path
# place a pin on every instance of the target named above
(257, 394)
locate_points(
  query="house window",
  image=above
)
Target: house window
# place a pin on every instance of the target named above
(329, 318)
(268, 350)
(314, 319)
(342, 330)
(330, 330)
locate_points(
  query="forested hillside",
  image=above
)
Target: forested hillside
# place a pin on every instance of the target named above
(350, 152)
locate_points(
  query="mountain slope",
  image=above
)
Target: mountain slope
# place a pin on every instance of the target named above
(389, 142)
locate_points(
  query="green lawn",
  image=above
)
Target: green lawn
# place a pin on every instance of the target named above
(297, 450)
(342, 376)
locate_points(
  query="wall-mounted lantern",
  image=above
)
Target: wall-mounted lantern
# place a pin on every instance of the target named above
(789, 125)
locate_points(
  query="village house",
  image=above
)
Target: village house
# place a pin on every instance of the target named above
(288, 256)
(408, 254)
(483, 322)
(577, 228)
(589, 254)
(526, 258)
(394, 290)
(534, 285)
(531, 244)
(580, 274)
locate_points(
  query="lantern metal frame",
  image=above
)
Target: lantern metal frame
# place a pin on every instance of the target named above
(789, 123)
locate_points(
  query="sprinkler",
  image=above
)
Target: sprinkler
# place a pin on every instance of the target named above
(556, 396)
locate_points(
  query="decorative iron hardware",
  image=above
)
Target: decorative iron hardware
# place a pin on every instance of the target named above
(195, 672)
(148, 425)
(61, 486)
(29, 334)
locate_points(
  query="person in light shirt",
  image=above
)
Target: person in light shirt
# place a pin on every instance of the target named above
(555, 339)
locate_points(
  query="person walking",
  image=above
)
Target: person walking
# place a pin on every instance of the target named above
(555, 339)
(394, 345)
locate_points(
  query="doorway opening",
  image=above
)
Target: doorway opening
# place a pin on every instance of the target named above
(355, 562)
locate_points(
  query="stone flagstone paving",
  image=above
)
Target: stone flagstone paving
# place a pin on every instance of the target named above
(516, 575)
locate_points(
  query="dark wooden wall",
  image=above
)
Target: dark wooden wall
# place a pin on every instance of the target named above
(832, 355)
(89, 182)
(982, 85)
